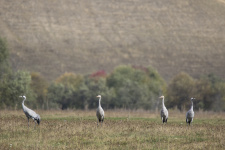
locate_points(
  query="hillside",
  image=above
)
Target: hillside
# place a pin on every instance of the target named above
(53, 37)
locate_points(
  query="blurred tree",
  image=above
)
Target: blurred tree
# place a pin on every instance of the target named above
(14, 85)
(133, 95)
(70, 80)
(39, 86)
(57, 95)
(91, 87)
(123, 74)
(135, 87)
(62, 91)
(5, 72)
(157, 86)
(124, 80)
(218, 88)
(210, 93)
(180, 90)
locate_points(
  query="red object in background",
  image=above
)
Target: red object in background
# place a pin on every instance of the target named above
(100, 73)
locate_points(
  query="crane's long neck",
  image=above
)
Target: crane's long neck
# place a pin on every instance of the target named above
(191, 105)
(99, 104)
(163, 105)
(23, 102)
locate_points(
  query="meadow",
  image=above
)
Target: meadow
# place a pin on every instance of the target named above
(122, 129)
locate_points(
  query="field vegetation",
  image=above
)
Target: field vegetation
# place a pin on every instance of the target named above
(122, 129)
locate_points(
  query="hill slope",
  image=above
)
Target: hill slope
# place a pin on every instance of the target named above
(53, 37)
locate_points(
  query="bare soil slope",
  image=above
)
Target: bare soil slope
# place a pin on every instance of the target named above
(55, 36)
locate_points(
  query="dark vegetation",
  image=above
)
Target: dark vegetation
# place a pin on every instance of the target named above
(127, 87)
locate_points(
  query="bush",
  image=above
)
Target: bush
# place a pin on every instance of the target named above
(85, 96)
(210, 93)
(180, 90)
(13, 86)
(39, 86)
(135, 87)
(62, 90)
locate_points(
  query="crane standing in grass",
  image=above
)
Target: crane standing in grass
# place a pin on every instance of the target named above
(164, 111)
(190, 113)
(30, 113)
(100, 111)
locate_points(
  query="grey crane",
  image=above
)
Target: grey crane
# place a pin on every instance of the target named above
(164, 111)
(190, 113)
(100, 111)
(30, 113)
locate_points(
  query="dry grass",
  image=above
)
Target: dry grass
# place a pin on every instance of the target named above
(121, 130)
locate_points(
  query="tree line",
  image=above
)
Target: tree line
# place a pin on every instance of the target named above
(127, 87)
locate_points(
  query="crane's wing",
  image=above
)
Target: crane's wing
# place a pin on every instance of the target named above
(32, 114)
(190, 114)
(164, 112)
(100, 113)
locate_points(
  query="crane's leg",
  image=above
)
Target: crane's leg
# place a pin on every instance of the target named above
(102, 119)
(187, 121)
(28, 121)
(163, 120)
(34, 123)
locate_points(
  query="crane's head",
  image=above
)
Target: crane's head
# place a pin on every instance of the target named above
(23, 96)
(99, 96)
(192, 99)
(161, 96)
(38, 119)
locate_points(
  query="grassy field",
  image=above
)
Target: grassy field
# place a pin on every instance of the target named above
(121, 130)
